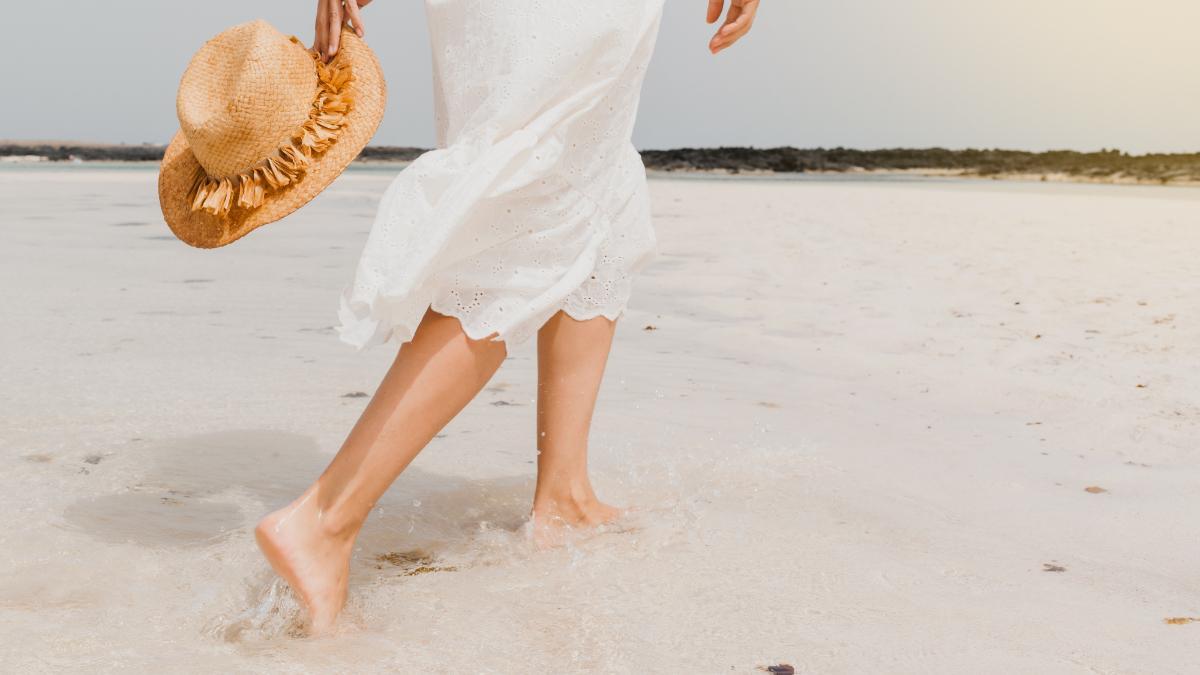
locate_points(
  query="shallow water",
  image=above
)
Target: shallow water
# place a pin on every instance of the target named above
(163, 417)
(148, 563)
(844, 447)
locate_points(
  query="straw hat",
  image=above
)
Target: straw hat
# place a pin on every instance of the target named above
(265, 125)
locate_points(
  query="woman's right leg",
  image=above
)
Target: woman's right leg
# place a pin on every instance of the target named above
(434, 376)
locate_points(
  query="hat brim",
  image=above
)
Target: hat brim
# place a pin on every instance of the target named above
(178, 171)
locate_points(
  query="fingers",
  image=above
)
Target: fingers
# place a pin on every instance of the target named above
(714, 10)
(333, 25)
(328, 28)
(738, 21)
(319, 32)
(354, 16)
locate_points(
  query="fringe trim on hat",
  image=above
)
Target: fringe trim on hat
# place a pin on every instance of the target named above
(289, 163)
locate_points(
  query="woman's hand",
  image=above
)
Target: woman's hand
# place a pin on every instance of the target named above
(331, 14)
(738, 20)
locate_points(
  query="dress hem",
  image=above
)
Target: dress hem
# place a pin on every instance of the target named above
(402, 334)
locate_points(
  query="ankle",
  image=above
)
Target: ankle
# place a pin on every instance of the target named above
(331, 522)
(340, 522)
(573, 497)
(337, 527)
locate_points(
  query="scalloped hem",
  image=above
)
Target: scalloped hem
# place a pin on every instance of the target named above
(519, 334)
(362, 332)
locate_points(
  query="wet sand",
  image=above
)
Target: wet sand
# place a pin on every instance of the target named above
(908, 427)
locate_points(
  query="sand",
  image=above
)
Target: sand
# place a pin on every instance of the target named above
(911, 426)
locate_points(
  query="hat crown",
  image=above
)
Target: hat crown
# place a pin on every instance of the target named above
(245, 93)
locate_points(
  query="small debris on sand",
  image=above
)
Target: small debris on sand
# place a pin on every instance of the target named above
(1181, 620)
(1049, 567)
(355, 394)
(426, 569)
(404, 558)
(650, 326)
(780, 669)
(412, 562)
(1094, 489)
(93, 459)
(769, 404)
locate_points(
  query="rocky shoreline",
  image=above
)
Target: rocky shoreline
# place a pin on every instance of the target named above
(1109, 166)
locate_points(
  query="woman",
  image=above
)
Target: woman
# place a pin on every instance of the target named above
(531, 216)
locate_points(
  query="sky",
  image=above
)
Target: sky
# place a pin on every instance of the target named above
(1020, 74)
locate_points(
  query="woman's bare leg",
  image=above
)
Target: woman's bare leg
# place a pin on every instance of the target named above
(571, 359)
(433, 377)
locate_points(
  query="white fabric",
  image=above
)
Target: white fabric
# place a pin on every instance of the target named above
(535, 199)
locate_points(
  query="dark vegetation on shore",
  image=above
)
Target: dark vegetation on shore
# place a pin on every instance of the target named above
(1105, 164)
(57, 152)
(1097, 165)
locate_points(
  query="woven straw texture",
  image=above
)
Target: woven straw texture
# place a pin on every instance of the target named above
(244, 94)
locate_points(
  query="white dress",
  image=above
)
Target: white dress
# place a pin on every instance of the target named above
(535, 199)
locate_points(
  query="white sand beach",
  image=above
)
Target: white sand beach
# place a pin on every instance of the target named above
(907, 426)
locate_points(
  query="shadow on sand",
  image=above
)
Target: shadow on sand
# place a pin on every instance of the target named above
(206, 492)
(196, 491)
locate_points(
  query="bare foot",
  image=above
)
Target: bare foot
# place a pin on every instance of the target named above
(553, 520)
(314, 562)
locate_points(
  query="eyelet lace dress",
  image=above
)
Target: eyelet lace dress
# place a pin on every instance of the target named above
(535, 199)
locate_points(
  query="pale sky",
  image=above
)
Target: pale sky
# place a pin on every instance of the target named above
(1021, 74)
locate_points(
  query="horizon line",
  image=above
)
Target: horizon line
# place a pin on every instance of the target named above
(61, 143)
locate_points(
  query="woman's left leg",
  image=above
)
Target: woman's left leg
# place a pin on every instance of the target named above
(571, 359)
